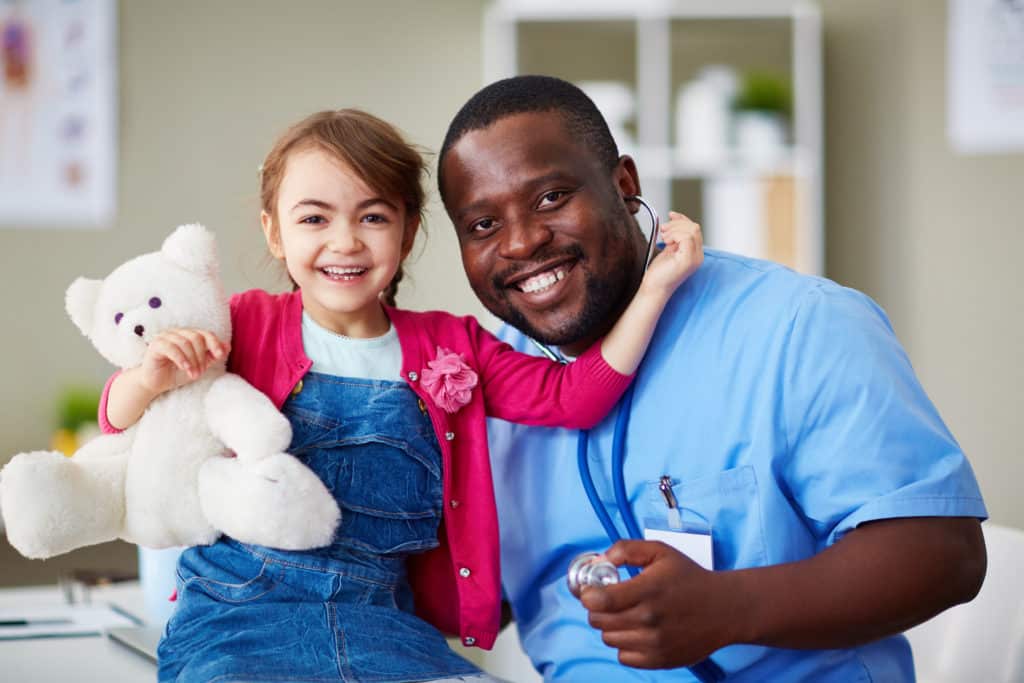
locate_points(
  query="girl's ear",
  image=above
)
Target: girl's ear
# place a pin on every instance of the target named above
(412, 226)
(272, 235)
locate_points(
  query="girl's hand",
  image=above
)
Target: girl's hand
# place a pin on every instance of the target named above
(682, 256)
(178, 356)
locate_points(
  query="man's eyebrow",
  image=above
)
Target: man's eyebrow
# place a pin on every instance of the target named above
(528, 186)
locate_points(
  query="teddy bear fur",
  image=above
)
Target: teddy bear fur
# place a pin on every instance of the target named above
(206, 458)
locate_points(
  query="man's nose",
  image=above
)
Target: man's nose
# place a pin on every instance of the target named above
(522, 238)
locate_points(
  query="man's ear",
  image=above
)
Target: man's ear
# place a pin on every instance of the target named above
(412, 226)
(272, 235)
(627, 180)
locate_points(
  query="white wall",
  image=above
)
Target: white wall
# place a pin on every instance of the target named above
(935, 237)
(205, 87)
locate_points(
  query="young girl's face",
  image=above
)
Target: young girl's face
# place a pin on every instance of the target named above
(341, 242)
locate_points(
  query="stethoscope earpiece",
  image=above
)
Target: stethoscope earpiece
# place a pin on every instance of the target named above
(652, 239)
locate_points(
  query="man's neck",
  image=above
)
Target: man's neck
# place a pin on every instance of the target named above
(579, 346)
(597, 331)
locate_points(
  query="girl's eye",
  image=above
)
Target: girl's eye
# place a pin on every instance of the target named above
(153, 303)
(117, 318)
(375, 218)
(313, 220)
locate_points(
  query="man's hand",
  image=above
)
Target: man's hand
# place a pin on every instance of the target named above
(673, 614)
(879, 579)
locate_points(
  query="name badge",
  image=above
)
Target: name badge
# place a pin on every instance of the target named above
(682, 529)
(695, 545)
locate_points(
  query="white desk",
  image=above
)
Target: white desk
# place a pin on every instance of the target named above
(84, 659)
(97, 659)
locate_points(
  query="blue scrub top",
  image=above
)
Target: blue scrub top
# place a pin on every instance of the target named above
(786, 413)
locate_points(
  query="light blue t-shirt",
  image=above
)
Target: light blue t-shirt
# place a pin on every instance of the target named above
(335, 354)
(785, 412)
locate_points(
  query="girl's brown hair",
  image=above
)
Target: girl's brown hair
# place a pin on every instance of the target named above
(372, 148)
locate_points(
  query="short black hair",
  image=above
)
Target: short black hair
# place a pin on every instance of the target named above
(524, 94)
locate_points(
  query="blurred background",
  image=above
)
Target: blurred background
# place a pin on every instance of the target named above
(820, 134)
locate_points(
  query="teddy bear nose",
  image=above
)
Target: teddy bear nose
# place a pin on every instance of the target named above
(139, 329)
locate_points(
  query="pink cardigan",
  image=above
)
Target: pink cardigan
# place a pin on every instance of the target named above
(457, 586)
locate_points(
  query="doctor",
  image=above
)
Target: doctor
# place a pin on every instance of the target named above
(777, 407)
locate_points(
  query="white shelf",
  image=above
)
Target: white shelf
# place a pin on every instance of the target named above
(598, 10)
(657, 162)
(660, 163)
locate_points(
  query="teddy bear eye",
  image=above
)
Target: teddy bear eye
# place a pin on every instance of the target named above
(117, 318)
(155, 302)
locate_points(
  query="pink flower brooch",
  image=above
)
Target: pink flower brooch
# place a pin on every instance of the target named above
(449, 380)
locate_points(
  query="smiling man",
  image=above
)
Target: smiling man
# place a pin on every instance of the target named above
(777, 408)
(571, 260)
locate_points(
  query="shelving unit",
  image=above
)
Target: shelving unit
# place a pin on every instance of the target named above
(654, 46)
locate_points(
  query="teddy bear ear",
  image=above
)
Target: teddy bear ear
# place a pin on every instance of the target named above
(191, 247)
(80, 302)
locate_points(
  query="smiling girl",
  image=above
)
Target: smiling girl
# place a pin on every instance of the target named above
(388, 407)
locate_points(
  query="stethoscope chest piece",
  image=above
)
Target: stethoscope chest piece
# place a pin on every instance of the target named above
(590, 569)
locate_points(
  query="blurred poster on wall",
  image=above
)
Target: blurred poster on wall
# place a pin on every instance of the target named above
(985, 78)
(58, 128)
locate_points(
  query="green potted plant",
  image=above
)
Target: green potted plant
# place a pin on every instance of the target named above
(762, 108)
(76, 418)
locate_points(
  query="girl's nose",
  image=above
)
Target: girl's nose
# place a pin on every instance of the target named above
(344, 239)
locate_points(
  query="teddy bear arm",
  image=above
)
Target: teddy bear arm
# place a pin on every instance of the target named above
(245, 419)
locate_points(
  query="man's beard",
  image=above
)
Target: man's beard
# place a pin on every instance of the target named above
(603, 302)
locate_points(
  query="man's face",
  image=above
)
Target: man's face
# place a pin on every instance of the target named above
(547, 241)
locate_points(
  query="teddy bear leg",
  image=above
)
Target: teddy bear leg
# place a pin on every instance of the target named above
(276, 502)
(53, 504)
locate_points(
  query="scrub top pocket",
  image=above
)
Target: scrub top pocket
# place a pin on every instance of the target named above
(726, 500)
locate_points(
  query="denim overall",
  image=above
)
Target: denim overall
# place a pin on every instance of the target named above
(339, 613)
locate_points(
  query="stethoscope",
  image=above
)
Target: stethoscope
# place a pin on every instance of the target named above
(706, 671)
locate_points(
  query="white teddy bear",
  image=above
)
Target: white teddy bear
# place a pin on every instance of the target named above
(206, 458)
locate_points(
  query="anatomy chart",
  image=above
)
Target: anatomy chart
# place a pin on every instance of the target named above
(58, 128)
(986, 76)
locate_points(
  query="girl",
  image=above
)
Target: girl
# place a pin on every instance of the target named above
(387, 406)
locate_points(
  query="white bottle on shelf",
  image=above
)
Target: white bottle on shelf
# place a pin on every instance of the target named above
(703, 117)
(617, 104)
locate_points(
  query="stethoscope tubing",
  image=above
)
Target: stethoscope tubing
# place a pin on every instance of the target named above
(706, 671)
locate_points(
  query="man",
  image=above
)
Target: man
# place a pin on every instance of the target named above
(777, 407)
